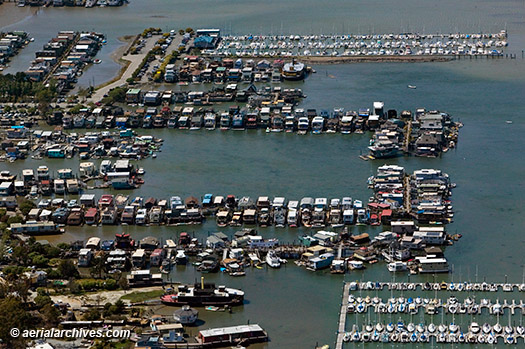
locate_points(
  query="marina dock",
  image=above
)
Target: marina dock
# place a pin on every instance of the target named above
(342, 317)
(425, 330)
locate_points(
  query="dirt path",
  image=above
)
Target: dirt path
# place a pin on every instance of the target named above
(100, 297)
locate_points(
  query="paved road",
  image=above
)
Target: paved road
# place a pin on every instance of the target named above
(135, 62)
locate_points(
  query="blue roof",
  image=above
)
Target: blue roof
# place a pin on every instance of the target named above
(204, 38)
(17, 127)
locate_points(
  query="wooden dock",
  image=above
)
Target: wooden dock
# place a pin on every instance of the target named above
(342, 317)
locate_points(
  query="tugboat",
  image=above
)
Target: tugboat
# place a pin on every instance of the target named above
(203, 294)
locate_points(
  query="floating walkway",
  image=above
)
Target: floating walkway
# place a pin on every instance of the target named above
(436, 286)
(442, 333)
(432, 306)
(375, 45)
(342, 317)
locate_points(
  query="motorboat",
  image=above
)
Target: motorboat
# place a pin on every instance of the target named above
(498, 328)
(272, 260)
(431, 328)
(397, 266)
(474, 328)
(453, 328)
(486, 328)
(390, 327)
(180, 257)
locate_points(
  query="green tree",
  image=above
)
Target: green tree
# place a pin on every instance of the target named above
(92, 315)
(97, 267)
(21, 254)
(67, 269)
(73, 286)
(13, 315)
(50, 315)
(42, 300)
(64, 246)
(76, 109)
(123, 283)
(26, 206)
(15, 219)
(38, 260)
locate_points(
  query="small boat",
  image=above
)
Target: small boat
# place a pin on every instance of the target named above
(486, 328)
(498, 328)
(474, 327)
(453, 328)
(97, 61)
(181, 258)
(347, 336)
(390, 327)
(431, 328)
(521, 330)
(412, 86)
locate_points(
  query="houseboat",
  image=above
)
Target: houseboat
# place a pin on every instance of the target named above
(124, 241)
(229, 336)
(72, 186)
(225, 121)
(85, 256)
(322, 262)
(59, 186)
(196, 122)
(128, 214)
(223, 218)
(432, 264)
(109, 215)
(292, 218)
(293, 71)
(138, 258)
(303, 125)
(92, 216)
(317, 125)
(141, 217)
(210, 121)
(397, 266)
(35, 228)
(75, 216)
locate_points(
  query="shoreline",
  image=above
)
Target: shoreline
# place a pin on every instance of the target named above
(118, 57)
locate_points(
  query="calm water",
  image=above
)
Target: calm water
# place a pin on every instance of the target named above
(299, 308)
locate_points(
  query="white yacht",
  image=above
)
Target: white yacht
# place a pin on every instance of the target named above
(272, 260)
(397, 266)
(180, 257)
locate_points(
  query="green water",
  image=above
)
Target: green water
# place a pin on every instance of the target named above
(299, 308)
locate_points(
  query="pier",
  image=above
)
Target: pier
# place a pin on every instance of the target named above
(342, 317)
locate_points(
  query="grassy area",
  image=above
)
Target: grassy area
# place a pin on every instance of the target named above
(138, 296)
